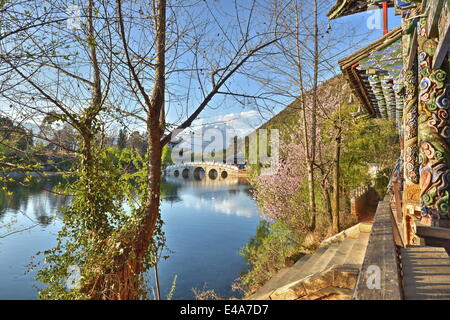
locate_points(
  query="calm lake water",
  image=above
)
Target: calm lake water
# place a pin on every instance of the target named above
(206, 224)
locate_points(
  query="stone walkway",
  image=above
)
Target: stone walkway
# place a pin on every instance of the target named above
(329, 273)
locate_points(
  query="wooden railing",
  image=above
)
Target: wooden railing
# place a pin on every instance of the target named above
(434, 236)
(403, 211)
(379, 278)
(401, 229)
(396, 224)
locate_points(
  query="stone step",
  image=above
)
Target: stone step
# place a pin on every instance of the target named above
(298, 272)
(317, 264)
(274, 282)
(336, 254)
(264, 292)
(426, 273)
(341, 254)
(301, 262)
(330, 293)
(348, 252)
(296, 268)
(358, 251)
(325, 259)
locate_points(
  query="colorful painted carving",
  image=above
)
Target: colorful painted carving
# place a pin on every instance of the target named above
(386, 61)
(373, 99)
(375, 83)
(422, 89)
(383, 66)
(411, 149)
(389, 96)
(410, 120)
(404, 4)
(346, 7)
(434, 130)
(398, 91)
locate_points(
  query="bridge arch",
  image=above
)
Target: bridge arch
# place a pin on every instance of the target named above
(199, 173)
(213, 174)
(201, 170)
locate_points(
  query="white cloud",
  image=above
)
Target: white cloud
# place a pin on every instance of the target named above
(240, 124)
(225, 206)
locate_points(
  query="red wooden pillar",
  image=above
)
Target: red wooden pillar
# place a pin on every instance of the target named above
(385, 17)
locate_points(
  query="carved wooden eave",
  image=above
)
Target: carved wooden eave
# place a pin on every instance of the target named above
(347, 7)
(359, 89)
(358, 84)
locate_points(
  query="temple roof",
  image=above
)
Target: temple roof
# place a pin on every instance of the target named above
(374, 75)
(346, 7)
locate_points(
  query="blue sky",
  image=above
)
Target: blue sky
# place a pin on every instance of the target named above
(235, 114)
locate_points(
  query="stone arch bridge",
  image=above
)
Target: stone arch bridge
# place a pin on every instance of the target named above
(200, 170)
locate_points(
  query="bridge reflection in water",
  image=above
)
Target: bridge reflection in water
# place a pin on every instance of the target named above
(207, 172)
(200, 184)
(207, 182)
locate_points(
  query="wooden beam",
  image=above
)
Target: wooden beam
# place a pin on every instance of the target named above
(432, 232)
(385, 18)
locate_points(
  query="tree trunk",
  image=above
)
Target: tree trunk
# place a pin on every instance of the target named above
(336, 189)
(314, 117)
(158, 289)
(309, 148)
(328, 206)
(123, 277)
(312, 197)
(148, 223)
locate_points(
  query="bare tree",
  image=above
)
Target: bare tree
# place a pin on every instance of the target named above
(305, 58)
(64, 74)
(193, 58)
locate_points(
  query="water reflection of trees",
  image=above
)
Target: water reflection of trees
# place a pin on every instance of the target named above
(169, 192)
(35, 200)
